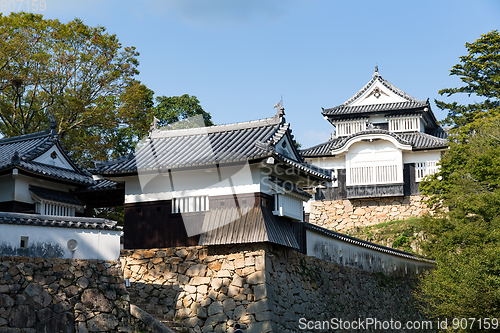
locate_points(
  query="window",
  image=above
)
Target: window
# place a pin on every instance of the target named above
(190, 204)
(423, 169)
(350, 127)
(55, 208)
(406, 124)
(24, 242)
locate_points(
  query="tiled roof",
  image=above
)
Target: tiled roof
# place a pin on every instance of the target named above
(103, 184)
(420, 140)
(360, 242)
(233, 143)
(289, 187)
(378, 78)
(343, 110)
(250, 225)
(20, 151)
(417, 140)
(54, 195)
(58, 221)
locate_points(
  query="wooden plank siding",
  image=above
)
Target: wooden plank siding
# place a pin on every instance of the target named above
(153, 225)
(409, 175)
(17, 207)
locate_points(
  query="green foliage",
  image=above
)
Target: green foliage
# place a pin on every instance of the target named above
(73, 71)
(399, 233)
(479, 70)
(175, 109)
(464, 241)
(84, 77)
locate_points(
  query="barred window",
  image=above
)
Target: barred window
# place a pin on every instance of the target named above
(190, 204)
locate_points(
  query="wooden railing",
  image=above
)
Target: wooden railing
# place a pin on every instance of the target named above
(380, 174)
(423, 169)
(404, 124)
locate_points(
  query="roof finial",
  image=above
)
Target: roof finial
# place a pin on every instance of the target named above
(53, 124)
(281, 109)
(376, 69)
(154, 124)
(16, 159)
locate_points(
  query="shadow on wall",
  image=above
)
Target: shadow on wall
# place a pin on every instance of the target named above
(41, 250)
(209, 289)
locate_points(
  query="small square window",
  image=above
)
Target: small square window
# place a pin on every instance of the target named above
(24, 242)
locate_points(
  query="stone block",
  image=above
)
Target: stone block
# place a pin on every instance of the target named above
(238, 281)
(62, 323)
(196, 270)
(38, 294)
(260, 327)
(22, 316)
(94, 300)
(6, 301)
(256, 277)
(229, 305)
(216, 284)
(258, 306)
(223, 273)
(102, 322)
(198, 280)
(260, 291)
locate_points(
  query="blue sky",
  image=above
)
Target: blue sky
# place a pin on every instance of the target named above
(240, 56)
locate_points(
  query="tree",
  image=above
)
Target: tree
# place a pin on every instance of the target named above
(479, 70)
(464, 241)
(170, 110)
(75, 72)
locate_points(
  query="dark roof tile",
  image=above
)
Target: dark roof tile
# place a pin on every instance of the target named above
(417, 140)
(58, 221)
(54, 195)
(240, 142)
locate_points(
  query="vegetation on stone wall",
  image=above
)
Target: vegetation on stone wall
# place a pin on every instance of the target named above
(403, 235)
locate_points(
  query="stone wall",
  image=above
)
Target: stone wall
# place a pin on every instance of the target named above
(209, 289)
(299, 286)
(341, 215)
(62, 295)
(266, 288)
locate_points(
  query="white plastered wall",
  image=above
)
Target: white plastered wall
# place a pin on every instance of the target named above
(421, 156)
(366, 154)
(347, 254)
(59, 161)
(233, 180)
(92, 244)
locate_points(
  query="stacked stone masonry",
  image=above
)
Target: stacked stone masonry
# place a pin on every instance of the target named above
(341, 215)
(62, 295)
(266, 288)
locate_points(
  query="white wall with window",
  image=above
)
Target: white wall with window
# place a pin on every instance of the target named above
(370, 163)
(346, 128)
(425, 162)
(190, 204)
(423, 169)
(405, 124)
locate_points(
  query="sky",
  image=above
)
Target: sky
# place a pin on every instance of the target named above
(240, 57)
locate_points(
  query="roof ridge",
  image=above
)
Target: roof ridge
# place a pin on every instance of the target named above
(24, 137)
(387, 84)
(275, 120)
(320, 144)
(380, 105)
(80, 170)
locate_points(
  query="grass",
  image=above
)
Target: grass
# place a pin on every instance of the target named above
(400, 234)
